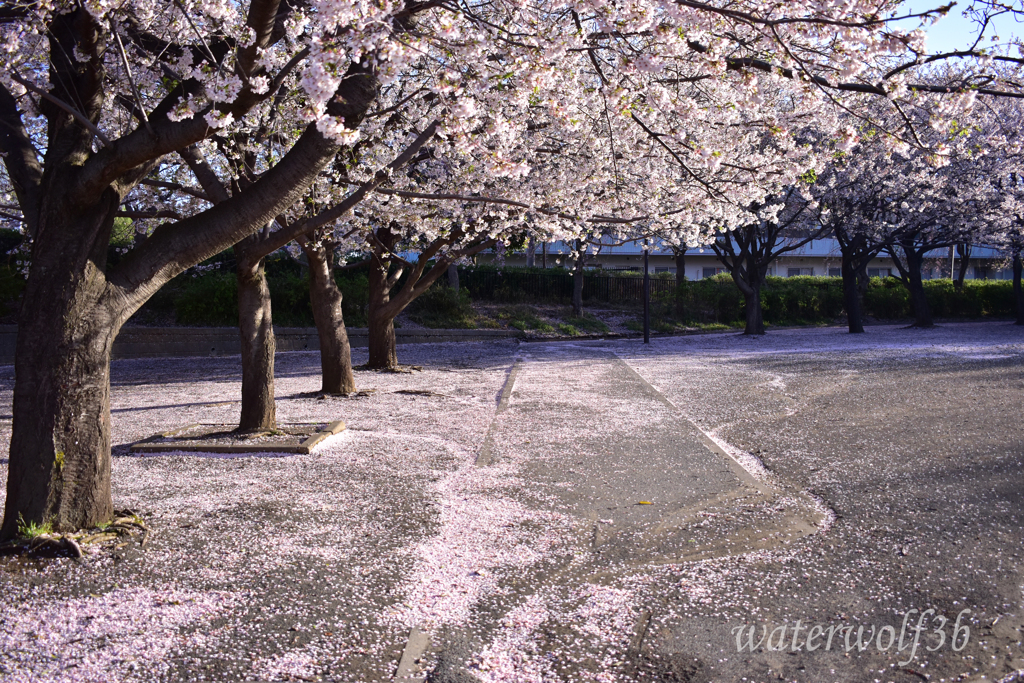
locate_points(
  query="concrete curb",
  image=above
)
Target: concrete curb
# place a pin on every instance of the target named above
(409, 668)
(161, 342)
(153, 445)
(483, 458)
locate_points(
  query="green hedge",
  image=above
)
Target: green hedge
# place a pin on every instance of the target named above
(212, 299)
(11, 285)
(816, 300)
(441, 307)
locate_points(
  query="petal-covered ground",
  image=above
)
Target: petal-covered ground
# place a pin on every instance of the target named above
(870, 475)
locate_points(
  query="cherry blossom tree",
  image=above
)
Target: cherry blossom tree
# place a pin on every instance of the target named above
(748, 250)
(95, 149)
(74, 154)
(95, 95)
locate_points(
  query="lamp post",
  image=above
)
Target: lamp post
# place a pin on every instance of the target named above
(647, 295)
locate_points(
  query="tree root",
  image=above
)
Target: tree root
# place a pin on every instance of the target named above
(125, 525)
(400, 369)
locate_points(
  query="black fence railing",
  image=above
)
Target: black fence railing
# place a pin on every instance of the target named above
(514, 286)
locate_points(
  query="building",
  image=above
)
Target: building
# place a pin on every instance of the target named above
(817, 257)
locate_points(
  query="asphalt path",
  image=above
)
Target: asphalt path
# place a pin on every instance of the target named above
(594, 511)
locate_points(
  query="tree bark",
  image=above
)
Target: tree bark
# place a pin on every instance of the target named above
(964, 252)
(851, 295)
(531, 253)
(383, 354)
(915, 285)
(754, 312)
(73, 307)
(326, 298)
(680, 255)
(1018, 291)
(256, 329)
(453, 277)
(577, 283)
(60, 445)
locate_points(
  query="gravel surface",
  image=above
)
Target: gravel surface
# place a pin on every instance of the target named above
(604, 541)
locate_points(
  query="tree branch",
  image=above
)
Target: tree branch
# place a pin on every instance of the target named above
(77, 115)
(175, 246)
(21, 159)
(282, 237)
(178, 188)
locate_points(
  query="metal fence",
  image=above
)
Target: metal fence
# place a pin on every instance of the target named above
(514, 286)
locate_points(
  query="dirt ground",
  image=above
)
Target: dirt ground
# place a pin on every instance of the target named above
(638, 510)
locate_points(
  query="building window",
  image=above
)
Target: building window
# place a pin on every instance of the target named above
(835, 272)
(663, 269)
(794, 272)
(879, 272)
(711, 272)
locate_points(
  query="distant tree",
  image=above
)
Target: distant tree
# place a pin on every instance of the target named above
(748, 250)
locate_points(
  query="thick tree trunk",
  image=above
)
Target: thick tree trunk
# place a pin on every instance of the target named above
(577, 285)
(325, 297)
(753, 310)
(531, 253)
(680, 255)
(851, 296)
(915, 285)
(680, 265)
(453, 277)
(60, 446)
(383, 354)
(1018, 291)
(964, 252)
(256, 329)
(544, 255)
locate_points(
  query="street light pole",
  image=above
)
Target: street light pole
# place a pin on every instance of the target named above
(647, 295)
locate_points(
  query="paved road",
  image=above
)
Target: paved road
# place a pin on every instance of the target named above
(913, 440)
(890, 483)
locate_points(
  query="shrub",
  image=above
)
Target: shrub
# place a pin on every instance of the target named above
(977, 299)
(211, 298)
(11, 286)
(801, 300)
(887, 298)
(587, 324)
(524, 318)
(711, 300)
(442, 307)
(289, 300)
(208, 299)
(355, 296)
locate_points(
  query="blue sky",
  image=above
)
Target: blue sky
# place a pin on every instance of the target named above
(954, 32)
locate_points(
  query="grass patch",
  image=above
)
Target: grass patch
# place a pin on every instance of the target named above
(524, 318)
(33, 529)
(441, 307)
(568, 330)
(669, 325)
(587, 324)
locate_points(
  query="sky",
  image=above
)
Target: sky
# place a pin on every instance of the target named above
(954, 31)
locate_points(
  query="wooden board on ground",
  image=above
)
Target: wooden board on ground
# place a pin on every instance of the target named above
(221, 438)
